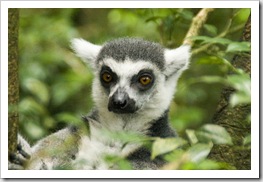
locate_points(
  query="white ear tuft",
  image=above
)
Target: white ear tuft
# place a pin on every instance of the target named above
(176, 60)
(85, 50)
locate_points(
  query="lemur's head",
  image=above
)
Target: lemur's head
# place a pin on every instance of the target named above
(133, 75)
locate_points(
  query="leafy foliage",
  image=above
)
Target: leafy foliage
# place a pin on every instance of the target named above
(162, 146)
(55, 86)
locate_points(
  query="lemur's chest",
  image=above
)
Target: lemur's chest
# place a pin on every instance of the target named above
(103, 142)
(95, 148)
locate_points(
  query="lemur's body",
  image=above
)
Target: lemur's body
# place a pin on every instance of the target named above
(133, 86)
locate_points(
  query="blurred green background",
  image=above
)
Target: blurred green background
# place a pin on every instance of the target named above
(55, 86)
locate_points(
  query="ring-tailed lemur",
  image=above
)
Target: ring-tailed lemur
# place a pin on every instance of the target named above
(133, 86)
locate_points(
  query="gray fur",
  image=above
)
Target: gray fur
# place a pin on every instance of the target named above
(135, 49)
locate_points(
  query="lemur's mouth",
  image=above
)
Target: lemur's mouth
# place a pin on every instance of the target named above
(121, 111)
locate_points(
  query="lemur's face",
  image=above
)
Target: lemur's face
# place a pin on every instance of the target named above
(133, 75)
(128, 85)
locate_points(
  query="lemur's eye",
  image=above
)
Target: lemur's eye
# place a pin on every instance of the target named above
(107, 77)
(145, 80)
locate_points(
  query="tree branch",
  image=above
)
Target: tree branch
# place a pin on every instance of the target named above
(226, 31)
(197, 23)
(13, 83)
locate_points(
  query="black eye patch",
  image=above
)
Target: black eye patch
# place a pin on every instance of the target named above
(107, 77)
(144, 80)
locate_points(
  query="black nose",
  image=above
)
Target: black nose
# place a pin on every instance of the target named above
(121, 103)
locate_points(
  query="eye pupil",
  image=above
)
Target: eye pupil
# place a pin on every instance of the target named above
(145, 80)
(106, 77)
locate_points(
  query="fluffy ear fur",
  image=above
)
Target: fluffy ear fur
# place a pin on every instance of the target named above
(85, 50)
(176, 60)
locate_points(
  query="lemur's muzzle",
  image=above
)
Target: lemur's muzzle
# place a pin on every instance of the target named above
(121, 103)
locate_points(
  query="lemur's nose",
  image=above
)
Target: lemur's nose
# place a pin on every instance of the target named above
(120, 102)
(120, 99)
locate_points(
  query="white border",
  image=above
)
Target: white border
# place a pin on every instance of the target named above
(253, 173)
(129, 4)
(255, 66)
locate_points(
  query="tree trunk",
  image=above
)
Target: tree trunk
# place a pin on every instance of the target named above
(235, 119)
(13, 82)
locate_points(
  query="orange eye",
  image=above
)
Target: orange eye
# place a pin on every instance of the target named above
(107, 77)
(145, 80)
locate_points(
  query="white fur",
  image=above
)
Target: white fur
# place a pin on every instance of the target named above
(90, 155)
(94, 149)
(24, 145)
(86, 50)
(176, 59)
(125, 70)
(128, 67)
(152, 105)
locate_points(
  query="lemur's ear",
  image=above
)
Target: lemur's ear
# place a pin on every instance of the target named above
(176, 60)
(85, 50)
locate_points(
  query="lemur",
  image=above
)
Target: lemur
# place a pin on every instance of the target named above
(134, 83)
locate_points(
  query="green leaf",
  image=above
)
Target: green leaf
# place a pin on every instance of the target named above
(239, 47)
(199, 152)
(210, 60)
(208, 165)
(126, 137)
(61, 92)
(210, 40)
(49, 122)
(115, 161)
(207, 79)
(188, 15)
(247, 140)
(219, 40)
(211, 79)
(164, 145)
(34, 130)
(153, 18)
(214, 133)
(38, 88)
(242, 85)
(175, 155)
(29, 105)
(238, 98)
(223, 64)
(188, 165)
(211, 29)
(201, 37)
(68, 118)
(240, 82)
(191, 135)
